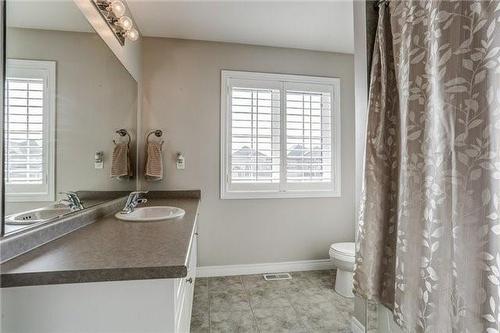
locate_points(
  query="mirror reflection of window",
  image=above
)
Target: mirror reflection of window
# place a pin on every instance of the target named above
(29, 130)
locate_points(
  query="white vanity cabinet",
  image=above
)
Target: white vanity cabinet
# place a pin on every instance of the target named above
(138, 306)
(184, 290)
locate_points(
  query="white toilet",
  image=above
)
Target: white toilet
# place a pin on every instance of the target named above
(342, 257)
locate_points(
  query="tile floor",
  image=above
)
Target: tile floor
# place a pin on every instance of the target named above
(248, 303)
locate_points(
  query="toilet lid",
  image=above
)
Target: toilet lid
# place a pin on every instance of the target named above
(344, 248)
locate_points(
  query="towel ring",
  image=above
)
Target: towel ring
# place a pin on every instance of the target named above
(157, 133)
(122, 132)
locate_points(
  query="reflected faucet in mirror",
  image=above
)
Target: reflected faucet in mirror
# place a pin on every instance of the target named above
(133, 200)
(72, 200)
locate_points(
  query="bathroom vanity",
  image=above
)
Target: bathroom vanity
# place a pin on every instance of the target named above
(68, 264)
(109, 276)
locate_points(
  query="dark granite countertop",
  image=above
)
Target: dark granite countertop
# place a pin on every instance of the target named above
(111, 250)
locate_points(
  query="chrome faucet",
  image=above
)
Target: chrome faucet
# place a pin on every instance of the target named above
(132, 201)
(73, 200)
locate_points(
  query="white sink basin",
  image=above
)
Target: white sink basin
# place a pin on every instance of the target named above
(36, 216)
(153, 213)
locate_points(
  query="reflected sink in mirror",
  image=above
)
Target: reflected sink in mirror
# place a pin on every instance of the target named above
(150, 214)
(36, 215)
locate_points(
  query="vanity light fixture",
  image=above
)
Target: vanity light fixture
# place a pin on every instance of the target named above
(113, 12)
(132, 34)
(125, 23)
(117, 7)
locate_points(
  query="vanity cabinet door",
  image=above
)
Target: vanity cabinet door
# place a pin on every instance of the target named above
(184, 295)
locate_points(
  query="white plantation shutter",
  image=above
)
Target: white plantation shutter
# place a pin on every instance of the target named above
(24, 140)
(279, 136)
(308, 136)
(28, 130)
(254, 135)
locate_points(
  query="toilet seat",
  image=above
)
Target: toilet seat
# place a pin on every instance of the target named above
(343, 251)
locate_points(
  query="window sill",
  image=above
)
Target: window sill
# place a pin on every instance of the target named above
(279, 195)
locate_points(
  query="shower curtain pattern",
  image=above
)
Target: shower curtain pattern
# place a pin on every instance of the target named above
(429, 231)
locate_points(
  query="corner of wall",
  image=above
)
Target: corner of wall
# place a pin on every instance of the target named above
(128, 54)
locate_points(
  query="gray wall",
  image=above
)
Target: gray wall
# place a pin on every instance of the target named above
(95, 96)
(182, 96)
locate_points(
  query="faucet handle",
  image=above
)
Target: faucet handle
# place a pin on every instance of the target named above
(133, 196)
(68, 193)
(132, 201)
(138, 192)
(73, 199)
(71, 195)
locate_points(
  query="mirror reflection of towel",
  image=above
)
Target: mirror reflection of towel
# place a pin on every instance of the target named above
(121, 166)
(154, 162)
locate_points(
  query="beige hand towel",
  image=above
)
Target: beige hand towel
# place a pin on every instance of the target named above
(121, 166)
(154, 161)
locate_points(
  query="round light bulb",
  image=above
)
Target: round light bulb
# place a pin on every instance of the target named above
(125, 22)
(132, 34)
(118, 8)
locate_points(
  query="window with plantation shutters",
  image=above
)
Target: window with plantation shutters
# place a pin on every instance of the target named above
(279, 136)
(29, 120)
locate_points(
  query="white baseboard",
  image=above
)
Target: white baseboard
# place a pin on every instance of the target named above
(356, 326)
(275, 267)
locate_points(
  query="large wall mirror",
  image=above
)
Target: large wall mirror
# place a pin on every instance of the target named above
(66, 99)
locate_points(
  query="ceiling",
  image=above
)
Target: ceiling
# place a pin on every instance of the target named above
(48, 15)
(314, 25)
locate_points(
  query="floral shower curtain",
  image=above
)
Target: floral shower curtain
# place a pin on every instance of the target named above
(429, 233)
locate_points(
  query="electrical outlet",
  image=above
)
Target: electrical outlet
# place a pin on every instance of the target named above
(180, 162)
(99, 160)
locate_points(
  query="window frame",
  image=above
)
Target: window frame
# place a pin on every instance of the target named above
(46, 70)
(332, 190)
